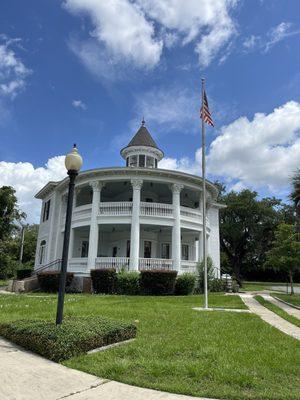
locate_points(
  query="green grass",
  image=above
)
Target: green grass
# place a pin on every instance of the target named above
(277, 310)
(3, 282)
(290, 298)
(211, 354)
(252, 286)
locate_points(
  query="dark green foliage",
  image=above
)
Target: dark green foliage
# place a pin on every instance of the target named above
(49, 281)
(24, 273)
(200, 275)
(104, 280)
(128, 283)
(217, 285)
(157, 282)
(9, 212)
(74, 337)
(185, 284)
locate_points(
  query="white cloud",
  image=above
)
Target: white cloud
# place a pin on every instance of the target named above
(271, 38)
(261, 153)
(28, 180)
(13, 72)
(135, 31)
(122, 27)
(79, 104)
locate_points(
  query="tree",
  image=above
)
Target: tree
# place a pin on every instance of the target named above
(247, 229)
(9, 212)
(295, 197)
(9, 216)
(285, 253)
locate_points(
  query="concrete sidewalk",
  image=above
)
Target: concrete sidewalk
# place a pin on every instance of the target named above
(284, 306)
(27, 376)
(270, 317)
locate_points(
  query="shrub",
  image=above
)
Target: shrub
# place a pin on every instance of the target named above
(104, 280)
(200, 275)
(49, 280)
(8, 266)
(185, 284)
(128, 283)
(74, 337)
(217, 285)
(157, 282)
(24, 273)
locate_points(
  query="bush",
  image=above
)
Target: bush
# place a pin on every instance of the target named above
(49, 281)
(200, 275)
(157, 282)
(24, 273)
(74, 337)
(185, 284)
(217, 285)
(8, 266)
(104, 280)
(128, 283)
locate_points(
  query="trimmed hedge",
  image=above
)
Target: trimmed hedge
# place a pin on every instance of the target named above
(74, 337)
(24, 273)
(185, 284)
(157, 282)
(128, 283)
(49, 281)
(217, 285)
(104, 280)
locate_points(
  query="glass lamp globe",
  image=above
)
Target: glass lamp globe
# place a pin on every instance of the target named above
(73, 160)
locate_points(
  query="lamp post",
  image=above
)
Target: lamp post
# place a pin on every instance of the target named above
(73, 163)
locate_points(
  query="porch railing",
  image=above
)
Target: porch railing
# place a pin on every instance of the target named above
(156, 209)
(190, 212)
(155, 263)
(188, 266)
(116, 208)
(112, 262)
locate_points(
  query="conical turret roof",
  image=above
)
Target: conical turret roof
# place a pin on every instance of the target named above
(142, 138)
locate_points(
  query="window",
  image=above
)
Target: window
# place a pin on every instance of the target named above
(155, 163)
(133, 161)
(149, 200)
(147, 249)
(141, 160)
(42, 252)
(46, 211)
(127, 161)
(150, 162)
(84, 249)
(184, 252)
(165, 251)
(128, 249)
(115, 251)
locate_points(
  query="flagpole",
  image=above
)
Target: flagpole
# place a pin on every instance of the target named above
(204, 199)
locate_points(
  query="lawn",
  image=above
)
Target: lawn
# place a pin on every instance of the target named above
(3, 282)
(277, 310)
(212, 354)
(290, 298)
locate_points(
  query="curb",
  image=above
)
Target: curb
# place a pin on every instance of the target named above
(285, 302)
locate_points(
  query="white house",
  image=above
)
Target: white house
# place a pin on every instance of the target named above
(137, 216)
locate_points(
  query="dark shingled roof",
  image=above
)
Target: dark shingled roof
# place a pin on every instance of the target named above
(142, 138)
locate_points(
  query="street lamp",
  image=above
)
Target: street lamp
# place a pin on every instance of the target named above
(73, 163)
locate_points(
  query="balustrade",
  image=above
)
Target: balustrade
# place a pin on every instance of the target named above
(156, 209)
(155, 263)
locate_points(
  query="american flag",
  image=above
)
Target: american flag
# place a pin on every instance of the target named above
(204, 111)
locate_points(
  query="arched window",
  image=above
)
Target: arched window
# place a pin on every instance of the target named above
(42, 252)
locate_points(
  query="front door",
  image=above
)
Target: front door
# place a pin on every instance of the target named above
(147, 249)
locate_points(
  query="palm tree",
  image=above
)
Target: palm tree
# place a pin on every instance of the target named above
(295, 197)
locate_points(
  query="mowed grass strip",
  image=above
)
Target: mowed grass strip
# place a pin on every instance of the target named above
(217, 354)
(277, 310)
(290, 298)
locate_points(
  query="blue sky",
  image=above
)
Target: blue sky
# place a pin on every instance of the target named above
(86, 71)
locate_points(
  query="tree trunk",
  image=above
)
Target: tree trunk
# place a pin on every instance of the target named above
(291, 283)
(237, 270)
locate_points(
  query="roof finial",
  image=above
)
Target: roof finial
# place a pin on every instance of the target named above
(74, 145)
(143, 121)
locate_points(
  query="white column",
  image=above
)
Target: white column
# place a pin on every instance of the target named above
(94, 229)
(200, 247)
(176, 230)
(135, 224)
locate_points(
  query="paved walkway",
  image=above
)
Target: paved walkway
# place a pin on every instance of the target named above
(27, 376)
(270, 317)
(288, 309)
